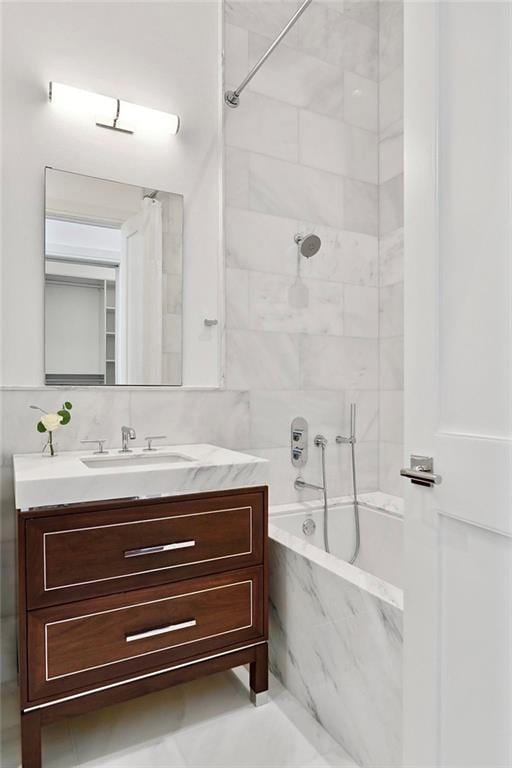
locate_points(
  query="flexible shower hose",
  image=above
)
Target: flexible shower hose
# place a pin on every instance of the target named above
(352, 441)
(326, 506)
(356, 503)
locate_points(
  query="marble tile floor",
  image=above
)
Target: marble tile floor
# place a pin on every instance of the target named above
(208, 722)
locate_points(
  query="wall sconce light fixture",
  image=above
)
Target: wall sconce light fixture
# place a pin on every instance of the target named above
(114, 114)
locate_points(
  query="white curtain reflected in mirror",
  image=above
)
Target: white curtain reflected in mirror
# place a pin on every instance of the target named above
(113, 283)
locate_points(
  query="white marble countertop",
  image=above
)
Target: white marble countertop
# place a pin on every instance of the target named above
(41, 480)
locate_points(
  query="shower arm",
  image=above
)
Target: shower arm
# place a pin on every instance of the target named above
(232, 98)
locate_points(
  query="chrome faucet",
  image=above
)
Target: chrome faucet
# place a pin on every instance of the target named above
(127, 433)
(300, 483)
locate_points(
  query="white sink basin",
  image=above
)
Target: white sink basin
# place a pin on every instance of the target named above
(134, 460)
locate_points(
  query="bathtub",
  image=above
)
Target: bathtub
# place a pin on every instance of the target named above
(336, 628)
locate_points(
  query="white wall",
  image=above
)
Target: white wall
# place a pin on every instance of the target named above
(160, 55)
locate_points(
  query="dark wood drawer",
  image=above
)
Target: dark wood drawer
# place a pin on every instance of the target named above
(75, 646)
(84, 554)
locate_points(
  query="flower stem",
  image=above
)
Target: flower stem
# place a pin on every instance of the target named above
(50, 443)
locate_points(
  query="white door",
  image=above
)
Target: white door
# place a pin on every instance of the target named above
(458, 384)
(130, 311)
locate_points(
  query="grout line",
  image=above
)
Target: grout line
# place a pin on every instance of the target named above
(291, 276)
(300, 164)
(302, 333)
(307, 222)
(307, 53)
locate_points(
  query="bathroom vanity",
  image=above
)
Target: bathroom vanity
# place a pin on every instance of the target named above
(119, 597)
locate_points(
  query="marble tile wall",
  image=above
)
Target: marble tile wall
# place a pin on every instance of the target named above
(391, 286)
(302, 155)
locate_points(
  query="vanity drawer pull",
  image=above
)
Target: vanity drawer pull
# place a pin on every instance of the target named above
(173, 622)
(80, 555)
(160, 548)
(160, 630)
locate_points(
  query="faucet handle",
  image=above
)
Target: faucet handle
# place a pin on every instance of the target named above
(150, 439)
(99, 441)
(297, 453)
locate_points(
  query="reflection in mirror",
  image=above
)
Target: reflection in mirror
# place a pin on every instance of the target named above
(113, 282)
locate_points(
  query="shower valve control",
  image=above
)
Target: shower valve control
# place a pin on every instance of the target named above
(299, 442)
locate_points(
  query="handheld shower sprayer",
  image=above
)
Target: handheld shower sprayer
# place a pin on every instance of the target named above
(351, 440)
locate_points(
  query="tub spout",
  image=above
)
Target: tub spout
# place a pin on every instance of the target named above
(300, 484)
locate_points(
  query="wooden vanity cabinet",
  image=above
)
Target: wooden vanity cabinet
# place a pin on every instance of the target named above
(121, 598)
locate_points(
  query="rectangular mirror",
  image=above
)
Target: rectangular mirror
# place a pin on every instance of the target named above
(113, 282)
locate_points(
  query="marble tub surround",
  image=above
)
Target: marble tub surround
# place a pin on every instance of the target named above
(375, 499)
(336, 644)
(41, 480)
(384, 501)
(375, 571)
(375, 586)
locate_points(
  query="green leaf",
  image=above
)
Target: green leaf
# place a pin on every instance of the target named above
(65, 416)
(68, 405)
(40, 427)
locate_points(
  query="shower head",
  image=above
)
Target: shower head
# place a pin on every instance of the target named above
(308, 245)
(298, 293)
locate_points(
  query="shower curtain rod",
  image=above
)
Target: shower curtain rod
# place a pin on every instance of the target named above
(232, 98)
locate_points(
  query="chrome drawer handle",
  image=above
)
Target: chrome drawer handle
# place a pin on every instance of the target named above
(159, 548)
(160, 630)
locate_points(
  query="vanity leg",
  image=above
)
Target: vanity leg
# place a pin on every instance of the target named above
(31, 740)
(258, 672)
